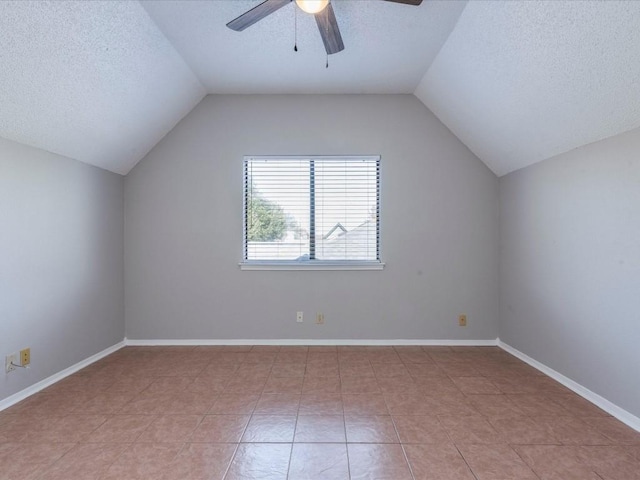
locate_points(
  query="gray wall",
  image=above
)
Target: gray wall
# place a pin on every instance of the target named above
(570, 266)
(183, 227)
(61, 254)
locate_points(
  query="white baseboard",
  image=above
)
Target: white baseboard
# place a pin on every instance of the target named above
(56, 377)
(609, 407)
(311, 342)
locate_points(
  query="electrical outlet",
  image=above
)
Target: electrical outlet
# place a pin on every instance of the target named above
(462, 320)
(25, 357)
(300, 317)
(319, 318)
(10, 362)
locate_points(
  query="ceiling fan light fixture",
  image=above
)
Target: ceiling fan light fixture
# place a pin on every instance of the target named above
(312, 6)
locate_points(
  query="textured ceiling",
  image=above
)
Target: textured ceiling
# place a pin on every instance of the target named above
(521, 81)
(516, 81)
(93, 81)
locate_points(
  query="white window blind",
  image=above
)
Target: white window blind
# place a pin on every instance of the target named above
(308, 210)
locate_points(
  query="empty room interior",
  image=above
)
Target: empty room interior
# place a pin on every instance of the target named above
(322, 240)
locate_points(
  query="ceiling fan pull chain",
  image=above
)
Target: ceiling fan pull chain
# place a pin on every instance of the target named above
(327, 30)
(295, 29)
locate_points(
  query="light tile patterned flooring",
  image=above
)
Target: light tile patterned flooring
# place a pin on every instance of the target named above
(317, 413)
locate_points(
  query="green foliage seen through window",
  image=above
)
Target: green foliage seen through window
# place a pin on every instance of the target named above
(266, 222)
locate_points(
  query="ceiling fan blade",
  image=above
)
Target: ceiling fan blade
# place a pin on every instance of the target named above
(329, 31)
(407, 2)
(256, 14)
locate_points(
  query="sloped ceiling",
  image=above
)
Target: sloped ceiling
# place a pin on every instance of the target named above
(522, 81)
(516, 81)
(94, 81)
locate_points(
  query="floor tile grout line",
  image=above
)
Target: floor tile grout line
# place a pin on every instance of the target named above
(233, 456)
(465, 461)
(523, 460)
(404, 452)
(291, 450)
(346, 447)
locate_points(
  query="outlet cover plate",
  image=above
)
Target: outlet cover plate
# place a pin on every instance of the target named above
(8, 361)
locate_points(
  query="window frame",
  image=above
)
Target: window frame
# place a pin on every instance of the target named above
(246, 264)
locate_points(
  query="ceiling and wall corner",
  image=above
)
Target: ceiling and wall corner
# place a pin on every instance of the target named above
(519, 82)
(93, 81)
(516, 81)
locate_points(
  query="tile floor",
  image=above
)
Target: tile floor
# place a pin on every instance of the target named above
(317, 413)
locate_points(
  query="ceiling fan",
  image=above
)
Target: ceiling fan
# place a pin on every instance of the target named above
(322, 10)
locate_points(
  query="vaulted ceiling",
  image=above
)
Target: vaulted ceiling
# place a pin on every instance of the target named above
(516, 81)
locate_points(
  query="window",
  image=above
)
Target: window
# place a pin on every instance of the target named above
(312, 212)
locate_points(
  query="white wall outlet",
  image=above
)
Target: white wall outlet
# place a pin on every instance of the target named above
(300, 317)
(10, 362)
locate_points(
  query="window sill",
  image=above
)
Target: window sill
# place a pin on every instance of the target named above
(311, 265)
